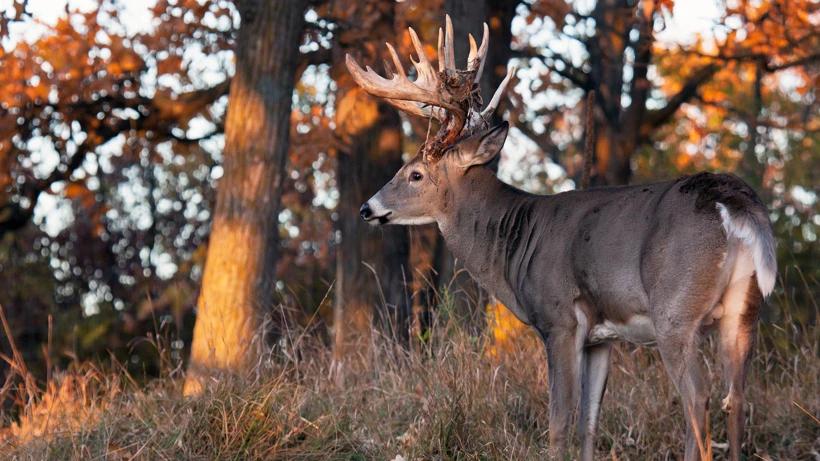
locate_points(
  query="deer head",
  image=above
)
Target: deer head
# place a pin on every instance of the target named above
(451, 96)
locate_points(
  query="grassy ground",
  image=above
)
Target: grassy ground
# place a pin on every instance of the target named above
(453, 397)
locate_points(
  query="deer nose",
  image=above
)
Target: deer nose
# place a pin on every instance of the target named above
(365, 211)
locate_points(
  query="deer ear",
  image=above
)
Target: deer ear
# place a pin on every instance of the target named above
(481, 148)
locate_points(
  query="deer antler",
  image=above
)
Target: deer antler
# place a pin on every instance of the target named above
(447, 95)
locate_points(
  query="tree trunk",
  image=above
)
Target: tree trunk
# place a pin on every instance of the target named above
(365, 296)
(613, 153)
(751, 169)
(619, 131)
(237, 286)
(606, 51)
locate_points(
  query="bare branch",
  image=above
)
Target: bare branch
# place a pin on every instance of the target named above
(14, 216)
(159, 114)
(578, 77)
(320, 56)
(542, 140)
(764, 58)
(218, 129)
(658, 117)
(810, 59)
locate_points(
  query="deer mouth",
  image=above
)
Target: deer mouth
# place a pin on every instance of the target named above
(377, 220)
(383, 219)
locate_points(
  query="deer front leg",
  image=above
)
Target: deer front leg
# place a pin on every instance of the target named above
(564, 355)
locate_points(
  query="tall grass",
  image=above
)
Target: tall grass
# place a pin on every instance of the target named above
(452, 396)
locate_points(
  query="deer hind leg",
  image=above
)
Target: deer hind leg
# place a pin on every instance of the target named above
(678, 345)
(737, 328)
(593, 385)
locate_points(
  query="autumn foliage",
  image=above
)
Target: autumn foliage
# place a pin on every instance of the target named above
(125, 170)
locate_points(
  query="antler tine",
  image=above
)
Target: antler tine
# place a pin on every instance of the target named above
(441, 52)
(449, 50)
(406, 106)
(473, 52)
(395, 58)
(427, 77)
(481, 55)
(443, 92)
(493, 105)
(400, 91)
(417, 45)
(388, 69)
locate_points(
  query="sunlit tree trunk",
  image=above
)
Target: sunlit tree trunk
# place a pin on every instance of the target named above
(237, 285)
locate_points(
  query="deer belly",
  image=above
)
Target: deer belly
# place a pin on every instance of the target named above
(637, 330)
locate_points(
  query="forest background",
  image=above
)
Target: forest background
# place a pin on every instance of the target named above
(180, 183)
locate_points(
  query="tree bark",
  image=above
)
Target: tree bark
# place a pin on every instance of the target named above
(373, 278)
(751, 168)
(365, 296)
(238, 282)
(606, 60)
(613, 155)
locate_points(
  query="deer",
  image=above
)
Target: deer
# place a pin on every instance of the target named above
(659, 264)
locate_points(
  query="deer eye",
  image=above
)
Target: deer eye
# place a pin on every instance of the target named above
(415, 176)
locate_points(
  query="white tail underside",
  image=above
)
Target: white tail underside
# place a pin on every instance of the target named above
(759, 242)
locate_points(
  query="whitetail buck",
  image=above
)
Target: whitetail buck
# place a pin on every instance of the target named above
(651, 264)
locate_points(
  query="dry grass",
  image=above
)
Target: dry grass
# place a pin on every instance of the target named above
(454, 397)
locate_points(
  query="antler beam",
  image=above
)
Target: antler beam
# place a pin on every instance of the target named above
(446, 94)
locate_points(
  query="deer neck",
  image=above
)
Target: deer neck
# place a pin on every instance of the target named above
(487, 225)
